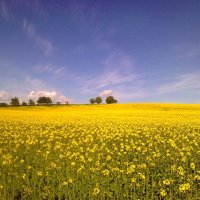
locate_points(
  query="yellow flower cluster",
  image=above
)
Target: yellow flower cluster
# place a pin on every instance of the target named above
(184, 187)
(132, 151)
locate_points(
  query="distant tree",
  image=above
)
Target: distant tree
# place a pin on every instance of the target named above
(24, 104)
(31, 102)
(3, 104)
(98, 100)
(58, 103)
(92, 101)
(44, 100)
(67, 102)
(15, 101)
(111, 99)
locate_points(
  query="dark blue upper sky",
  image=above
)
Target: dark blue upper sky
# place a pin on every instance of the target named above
(74, 50)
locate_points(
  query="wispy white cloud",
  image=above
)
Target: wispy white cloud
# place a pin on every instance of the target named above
(184, 82)
(56, 71)
(54, 95)
(112, 78)
(84, 11)
(192, 53)
(106, 79)
(50, 69)
(118, 59)
(4, 96)
(118, 78)
(105, 93)
(124, 93)
(187, 51)
(20, 86)
(34, 5)
(4, 10)
(35, 83)
(40, 41)
(9, 9)
(118, 73)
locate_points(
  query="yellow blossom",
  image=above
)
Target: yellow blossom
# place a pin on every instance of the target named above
(96, 191)
(163, 192)
(184, 187)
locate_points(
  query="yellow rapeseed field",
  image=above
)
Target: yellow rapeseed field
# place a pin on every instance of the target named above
(132, 151)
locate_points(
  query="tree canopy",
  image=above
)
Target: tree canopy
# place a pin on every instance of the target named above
(98, 100)
(92, 100)
(44, 100)
(15, 101)
(31, 102)
(111, 99)
(3, 104)
(24, 104)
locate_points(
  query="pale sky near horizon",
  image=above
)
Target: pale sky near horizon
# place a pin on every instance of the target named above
(137, 51)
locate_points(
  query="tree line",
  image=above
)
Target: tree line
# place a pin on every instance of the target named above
(47, 101)
(41, 101)
(98, 100)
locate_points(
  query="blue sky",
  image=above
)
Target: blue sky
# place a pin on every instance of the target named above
(137, 51)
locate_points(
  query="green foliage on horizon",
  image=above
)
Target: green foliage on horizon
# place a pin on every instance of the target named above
(15, 101)
(44, 100)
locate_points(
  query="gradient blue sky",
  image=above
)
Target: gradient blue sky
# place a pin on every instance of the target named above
(138, 51)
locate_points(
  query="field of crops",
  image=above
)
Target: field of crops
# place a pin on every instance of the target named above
(133, 151)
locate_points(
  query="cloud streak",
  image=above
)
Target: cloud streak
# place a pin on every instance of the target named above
(34, 83)
(84, 11)
(105, 93)
(50, 69)
(118, 69)
(118, 78)
(106, 79)
(184, 82)
(4, 10)
(187, 51)
(40, 41)
(10, 9)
